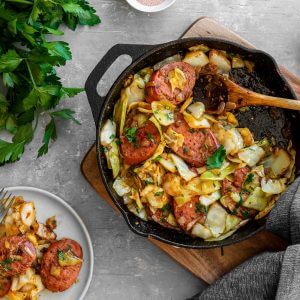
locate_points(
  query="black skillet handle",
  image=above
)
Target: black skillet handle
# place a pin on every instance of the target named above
(95, 100)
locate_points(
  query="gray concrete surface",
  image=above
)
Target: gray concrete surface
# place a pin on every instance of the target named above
(126, 265)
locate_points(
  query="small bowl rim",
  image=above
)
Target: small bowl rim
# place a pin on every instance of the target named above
(150, 9)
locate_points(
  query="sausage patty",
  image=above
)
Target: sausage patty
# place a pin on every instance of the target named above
(189, 213)
(67, 274)
(198, 143)
(16, 255)
(159, 87)
(147, 139)
(5, 284)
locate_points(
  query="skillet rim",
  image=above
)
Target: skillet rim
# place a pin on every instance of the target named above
(107, 99)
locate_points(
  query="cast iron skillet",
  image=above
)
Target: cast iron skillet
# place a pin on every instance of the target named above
(262, 121)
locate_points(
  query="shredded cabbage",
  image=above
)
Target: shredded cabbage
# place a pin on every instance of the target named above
(197, 59)
(201, 231)
(173, 139)
(216, 219)
(108, 133)
(195, 123)
(197, 109)
(251, 155)
(273, 186)
(257, 200)
(120, 187)
(163, 111)
(207, 200)
(278, 162)
(182, 168)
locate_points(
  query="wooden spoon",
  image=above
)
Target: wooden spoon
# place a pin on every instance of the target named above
(237, 96)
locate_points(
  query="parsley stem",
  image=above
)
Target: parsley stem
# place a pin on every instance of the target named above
(36, 120)
(20, 1)
(30, 73)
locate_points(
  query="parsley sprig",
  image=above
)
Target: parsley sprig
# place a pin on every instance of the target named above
(130, 134)
(6, 264)
(28, 62)
(216, 159)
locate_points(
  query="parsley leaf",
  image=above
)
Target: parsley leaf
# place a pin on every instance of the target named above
(249, 178)
(245, 214)
(61, 255)
(158, 194)
(150, 137)
(166, 208)
(66, 114)
(130, 134)
(10, 152)
(9, 61)
(201, 208)
(6, 264)
(28, 62)
(215, 161)
(50, 134)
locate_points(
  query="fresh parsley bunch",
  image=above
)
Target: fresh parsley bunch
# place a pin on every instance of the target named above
(27, 67)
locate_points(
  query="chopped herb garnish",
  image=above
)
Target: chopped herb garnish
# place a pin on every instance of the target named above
(170, 115)
(166, 208)
(158, 194)
(215, 161)
(192, 130)
(105, 149)
(118, 142)
(241, 200)
(201, 208)
(6, 264)
(61, 255)
(163, 220)
(112, 136)
(148, 181)
(245, 214)
(249, 178)
(234, 211)
(186, 150)
(150, 137)
(130, 134)
(157, 158)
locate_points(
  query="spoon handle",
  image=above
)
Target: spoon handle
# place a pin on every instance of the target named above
(244, 97)
(259, 99)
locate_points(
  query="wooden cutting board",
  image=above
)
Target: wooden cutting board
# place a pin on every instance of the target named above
(208, 265)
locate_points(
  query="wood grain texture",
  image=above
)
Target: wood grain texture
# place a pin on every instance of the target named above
(210, 264)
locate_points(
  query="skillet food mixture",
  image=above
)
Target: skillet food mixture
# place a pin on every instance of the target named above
(186, 169)
(31, 258)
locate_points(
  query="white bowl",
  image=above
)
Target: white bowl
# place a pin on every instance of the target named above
(145, 8)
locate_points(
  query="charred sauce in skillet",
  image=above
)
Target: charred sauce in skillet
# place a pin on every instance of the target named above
(263, 121)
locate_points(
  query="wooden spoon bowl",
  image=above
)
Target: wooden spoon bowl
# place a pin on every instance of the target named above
(221, 94)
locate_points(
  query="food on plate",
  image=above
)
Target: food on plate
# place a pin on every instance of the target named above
(31, 257)
(61, 264)
(178, 164)
(17, 254)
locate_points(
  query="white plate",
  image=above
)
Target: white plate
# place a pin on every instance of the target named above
(70, 225)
